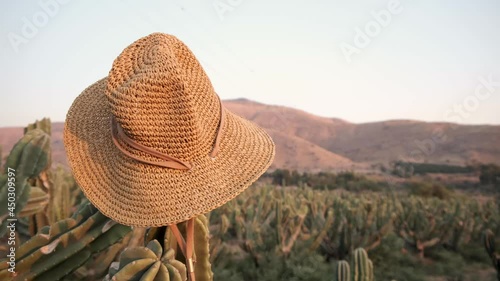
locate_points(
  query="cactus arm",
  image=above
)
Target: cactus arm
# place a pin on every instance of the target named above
(324, 231)
(36, 201)
(203, 268)
(34, 156)
(131, 254)
(28, 157)
(361, 265)
(64, 268)
(174, 274)
(62, 241)
(151, 273)
(133, 270)
(163, 274)
(343, 271)
(109, 237)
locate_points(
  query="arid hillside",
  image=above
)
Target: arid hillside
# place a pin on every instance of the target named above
(307, 142)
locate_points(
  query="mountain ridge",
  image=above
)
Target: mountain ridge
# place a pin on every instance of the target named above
(307, 142)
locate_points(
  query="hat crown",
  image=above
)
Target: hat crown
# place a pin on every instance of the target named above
(162, 98)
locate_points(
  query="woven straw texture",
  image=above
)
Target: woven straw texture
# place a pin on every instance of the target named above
(161, 97)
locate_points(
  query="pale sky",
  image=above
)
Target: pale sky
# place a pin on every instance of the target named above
(431, 60)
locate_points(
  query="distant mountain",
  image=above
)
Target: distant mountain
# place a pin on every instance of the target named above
(311, 143)
(378, 142)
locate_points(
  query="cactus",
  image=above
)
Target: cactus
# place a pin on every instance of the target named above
(39, 219)
(36, 202)
(218, 230)
(26, 160)
(363, 268)
(343, 272)
(202, 266)
(290, 215)
(423, 224)
(61, 248)
(490, 246)
(97, 267)
(44, 125)
(252, 223)
(58, 184)
(349, 223)
(462, 224)
(64, 194)
(147, 263)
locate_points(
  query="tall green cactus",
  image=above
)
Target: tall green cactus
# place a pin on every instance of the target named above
(363, 268)
(39, 219)
(61, 248)
(343, 272)
(463, 223)
(59, 185)
(252, 218)
(27, 159)
(490, 246)
(291, 212)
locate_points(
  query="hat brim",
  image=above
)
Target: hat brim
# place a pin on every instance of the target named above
(137, 194)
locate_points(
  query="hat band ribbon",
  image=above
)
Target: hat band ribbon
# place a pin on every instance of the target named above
(186, 246)
(117, 132)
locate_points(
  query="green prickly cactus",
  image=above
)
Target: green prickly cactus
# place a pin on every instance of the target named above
(29, 155)
(489, 244)
(44, 125)
(349, 223)
(202, 266)
(147, 263)
(61, 248)
(423, 224)
(39, 219)
(37, 201)
(343, 272)
(363, 267)
(97, 267)
(290, 215)
(27, 159)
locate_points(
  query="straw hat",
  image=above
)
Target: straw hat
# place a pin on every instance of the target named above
(152, 145)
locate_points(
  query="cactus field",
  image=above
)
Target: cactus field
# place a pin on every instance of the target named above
(269, 232)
